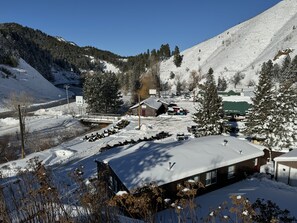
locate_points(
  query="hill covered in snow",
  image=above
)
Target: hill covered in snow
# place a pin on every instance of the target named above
(48, 54)
(33, 62)
(25, 79)
(242, 48)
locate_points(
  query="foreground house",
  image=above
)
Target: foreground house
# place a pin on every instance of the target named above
(151, 106)
(214, 161)
(286, 168)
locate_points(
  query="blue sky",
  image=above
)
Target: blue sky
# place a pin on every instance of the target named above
(131, 27)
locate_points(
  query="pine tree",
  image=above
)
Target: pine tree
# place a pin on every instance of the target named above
(222, 84)
(283, 119)
(257, 123)
(276, 72)
(209, 109)
(101, 92)
(177, 58)
(165, 51)
(291, 74)
(285, 69)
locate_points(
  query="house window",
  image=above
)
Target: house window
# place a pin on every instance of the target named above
(231, 171)
(211, 178)
(256, 161)
(113, 184)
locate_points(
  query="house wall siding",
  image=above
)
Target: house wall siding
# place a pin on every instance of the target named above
(104, 173)
(242, 170)
(292, 164)
(148, 111)
(286, 172)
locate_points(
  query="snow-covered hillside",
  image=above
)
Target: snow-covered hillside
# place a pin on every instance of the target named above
(26, 79)
(107, 66)
(242, 48)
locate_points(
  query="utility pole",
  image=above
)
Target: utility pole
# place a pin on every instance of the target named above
(22, 132)
(66, 87)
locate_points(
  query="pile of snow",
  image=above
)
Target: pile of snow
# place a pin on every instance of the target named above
(49, 112)
(8, 122)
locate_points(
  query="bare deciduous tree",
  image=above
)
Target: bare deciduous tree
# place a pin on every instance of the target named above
(236, 79)
(23, 99)
(195, 78)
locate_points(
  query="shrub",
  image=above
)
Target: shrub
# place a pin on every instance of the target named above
(172, 75)
(6, 72)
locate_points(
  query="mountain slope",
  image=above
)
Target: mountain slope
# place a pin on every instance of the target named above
(242, 48)
(48, 54)
(25, 78)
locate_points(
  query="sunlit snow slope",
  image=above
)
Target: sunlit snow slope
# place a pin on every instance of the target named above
(242, 48)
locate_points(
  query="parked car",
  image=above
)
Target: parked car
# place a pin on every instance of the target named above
(181, 136)
(192, 129)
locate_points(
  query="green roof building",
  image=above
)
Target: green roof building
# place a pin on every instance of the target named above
(236, 107)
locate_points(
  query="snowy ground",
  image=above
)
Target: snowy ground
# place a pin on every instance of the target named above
(256, 187)
(66, 157)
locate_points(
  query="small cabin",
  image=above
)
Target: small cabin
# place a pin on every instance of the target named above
(151, 106)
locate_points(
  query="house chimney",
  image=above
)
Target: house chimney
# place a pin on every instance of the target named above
(225, 142)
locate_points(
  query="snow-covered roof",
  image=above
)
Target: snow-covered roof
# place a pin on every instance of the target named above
(163, 101)
(150, 102)
(238, 99)
(149, 162)
(290, 156)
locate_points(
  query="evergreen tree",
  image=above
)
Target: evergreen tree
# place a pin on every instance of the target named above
(101, 92)
(222, 84)
(285, 69)
(210, 71)
(177, 58)
(276, 72)
(257, 123)
(291, 73)
(164, 51)
(283, 119)
(209, 109)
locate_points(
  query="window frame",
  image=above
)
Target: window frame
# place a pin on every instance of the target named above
(211, 177)
(231, 171)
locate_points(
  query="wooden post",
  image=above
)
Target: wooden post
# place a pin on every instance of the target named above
(22, 132)
(139, 110)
